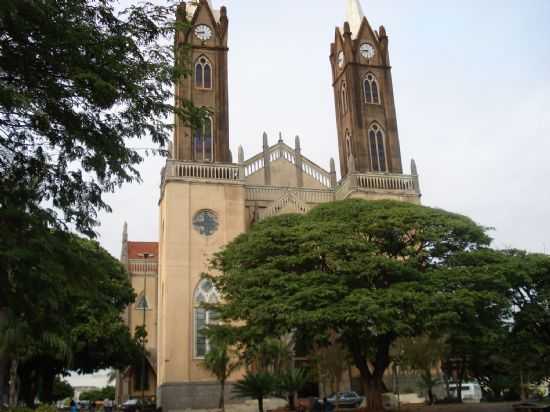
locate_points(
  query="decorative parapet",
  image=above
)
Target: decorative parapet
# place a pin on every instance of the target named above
(283, 151)
(140, 267)
(273, 194)
(290, 202)
(213, 172)
(381, 183)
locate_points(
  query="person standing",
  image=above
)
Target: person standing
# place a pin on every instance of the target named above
(107, 405)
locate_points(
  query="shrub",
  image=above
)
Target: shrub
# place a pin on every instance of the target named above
(46, 408)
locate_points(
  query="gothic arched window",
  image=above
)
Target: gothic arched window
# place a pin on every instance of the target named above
(371, 89)
(348, 144)
(377, 148)
(205, 293)
(344, 97)
(203, 142)
(203, 73)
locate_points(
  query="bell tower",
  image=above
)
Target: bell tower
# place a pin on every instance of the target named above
(368, 138)
(204, 41)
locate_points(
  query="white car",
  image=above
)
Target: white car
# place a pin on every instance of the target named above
(471, 392)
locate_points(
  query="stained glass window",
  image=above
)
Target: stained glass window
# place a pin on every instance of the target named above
(373, 151)
(203, 142)
(205, 293)
(371, 89)
(377, 146)
(203, 73)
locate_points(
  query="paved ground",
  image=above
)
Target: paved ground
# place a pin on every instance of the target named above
(482, 407)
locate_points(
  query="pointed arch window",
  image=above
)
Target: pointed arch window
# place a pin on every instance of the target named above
(348, 144)
(371, 89)
(203, 73)
(203, 141)
(344, 97)
(377, 149)
(205, 293)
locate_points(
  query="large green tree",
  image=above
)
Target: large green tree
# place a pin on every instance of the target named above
(68, 316)
(368, 271)
(502, 351)
(81, 84)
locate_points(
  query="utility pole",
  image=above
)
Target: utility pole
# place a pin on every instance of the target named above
(145, 256)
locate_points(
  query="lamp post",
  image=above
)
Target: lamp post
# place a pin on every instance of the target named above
(145, 256)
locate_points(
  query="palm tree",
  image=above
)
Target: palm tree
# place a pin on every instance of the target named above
(289, 383)
(256, 386)
(219, 361)
(427, 383)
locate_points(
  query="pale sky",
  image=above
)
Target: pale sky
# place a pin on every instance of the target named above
(472, 88)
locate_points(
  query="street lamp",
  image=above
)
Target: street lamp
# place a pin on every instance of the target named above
(145, 256)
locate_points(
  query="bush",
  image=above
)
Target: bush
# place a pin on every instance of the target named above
(46, 408)
(19, 409)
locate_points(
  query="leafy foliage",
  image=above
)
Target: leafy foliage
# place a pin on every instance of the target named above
(70, 314)
(256, 386)
(80, 85)
(221, 362)
(289, 382)
(62, 390)
(107, 392)
(368, 271)
(78, 80)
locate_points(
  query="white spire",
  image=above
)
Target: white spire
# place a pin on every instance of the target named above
(354, 16)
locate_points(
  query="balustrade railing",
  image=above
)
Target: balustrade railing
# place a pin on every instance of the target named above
(282, 151)
(404, 184)
(140, 267)
(203, 171)
(272, 193)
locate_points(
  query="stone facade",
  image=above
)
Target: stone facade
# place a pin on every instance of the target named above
(206, 202)
(141, 262)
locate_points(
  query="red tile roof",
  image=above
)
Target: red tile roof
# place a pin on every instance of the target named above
(137, 249)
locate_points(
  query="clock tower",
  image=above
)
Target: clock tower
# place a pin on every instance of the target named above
(368, 139)
(205, 45)
(202, 208)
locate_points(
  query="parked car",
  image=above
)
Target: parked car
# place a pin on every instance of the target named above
(83, 405)
(346, 400)
(135, 405)
(471, 392)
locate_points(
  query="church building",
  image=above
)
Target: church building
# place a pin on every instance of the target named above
(207, 199)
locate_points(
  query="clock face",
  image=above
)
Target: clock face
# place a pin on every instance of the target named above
(341, 59)
(203, 32)
(205, 222)
(367, 50)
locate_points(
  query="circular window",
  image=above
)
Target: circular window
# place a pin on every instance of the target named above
(205, 222)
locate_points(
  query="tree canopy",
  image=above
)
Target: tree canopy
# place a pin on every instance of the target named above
(69, 315)
(82, 83)
(370, 272)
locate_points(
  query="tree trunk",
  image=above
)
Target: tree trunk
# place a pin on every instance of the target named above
(291, 403)
(3, 366)
(3, 392)
(13, 384)
(222, 396)
(460, 380)
(261, 404)
(375, 401)
(48, 378)
(430, 396)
